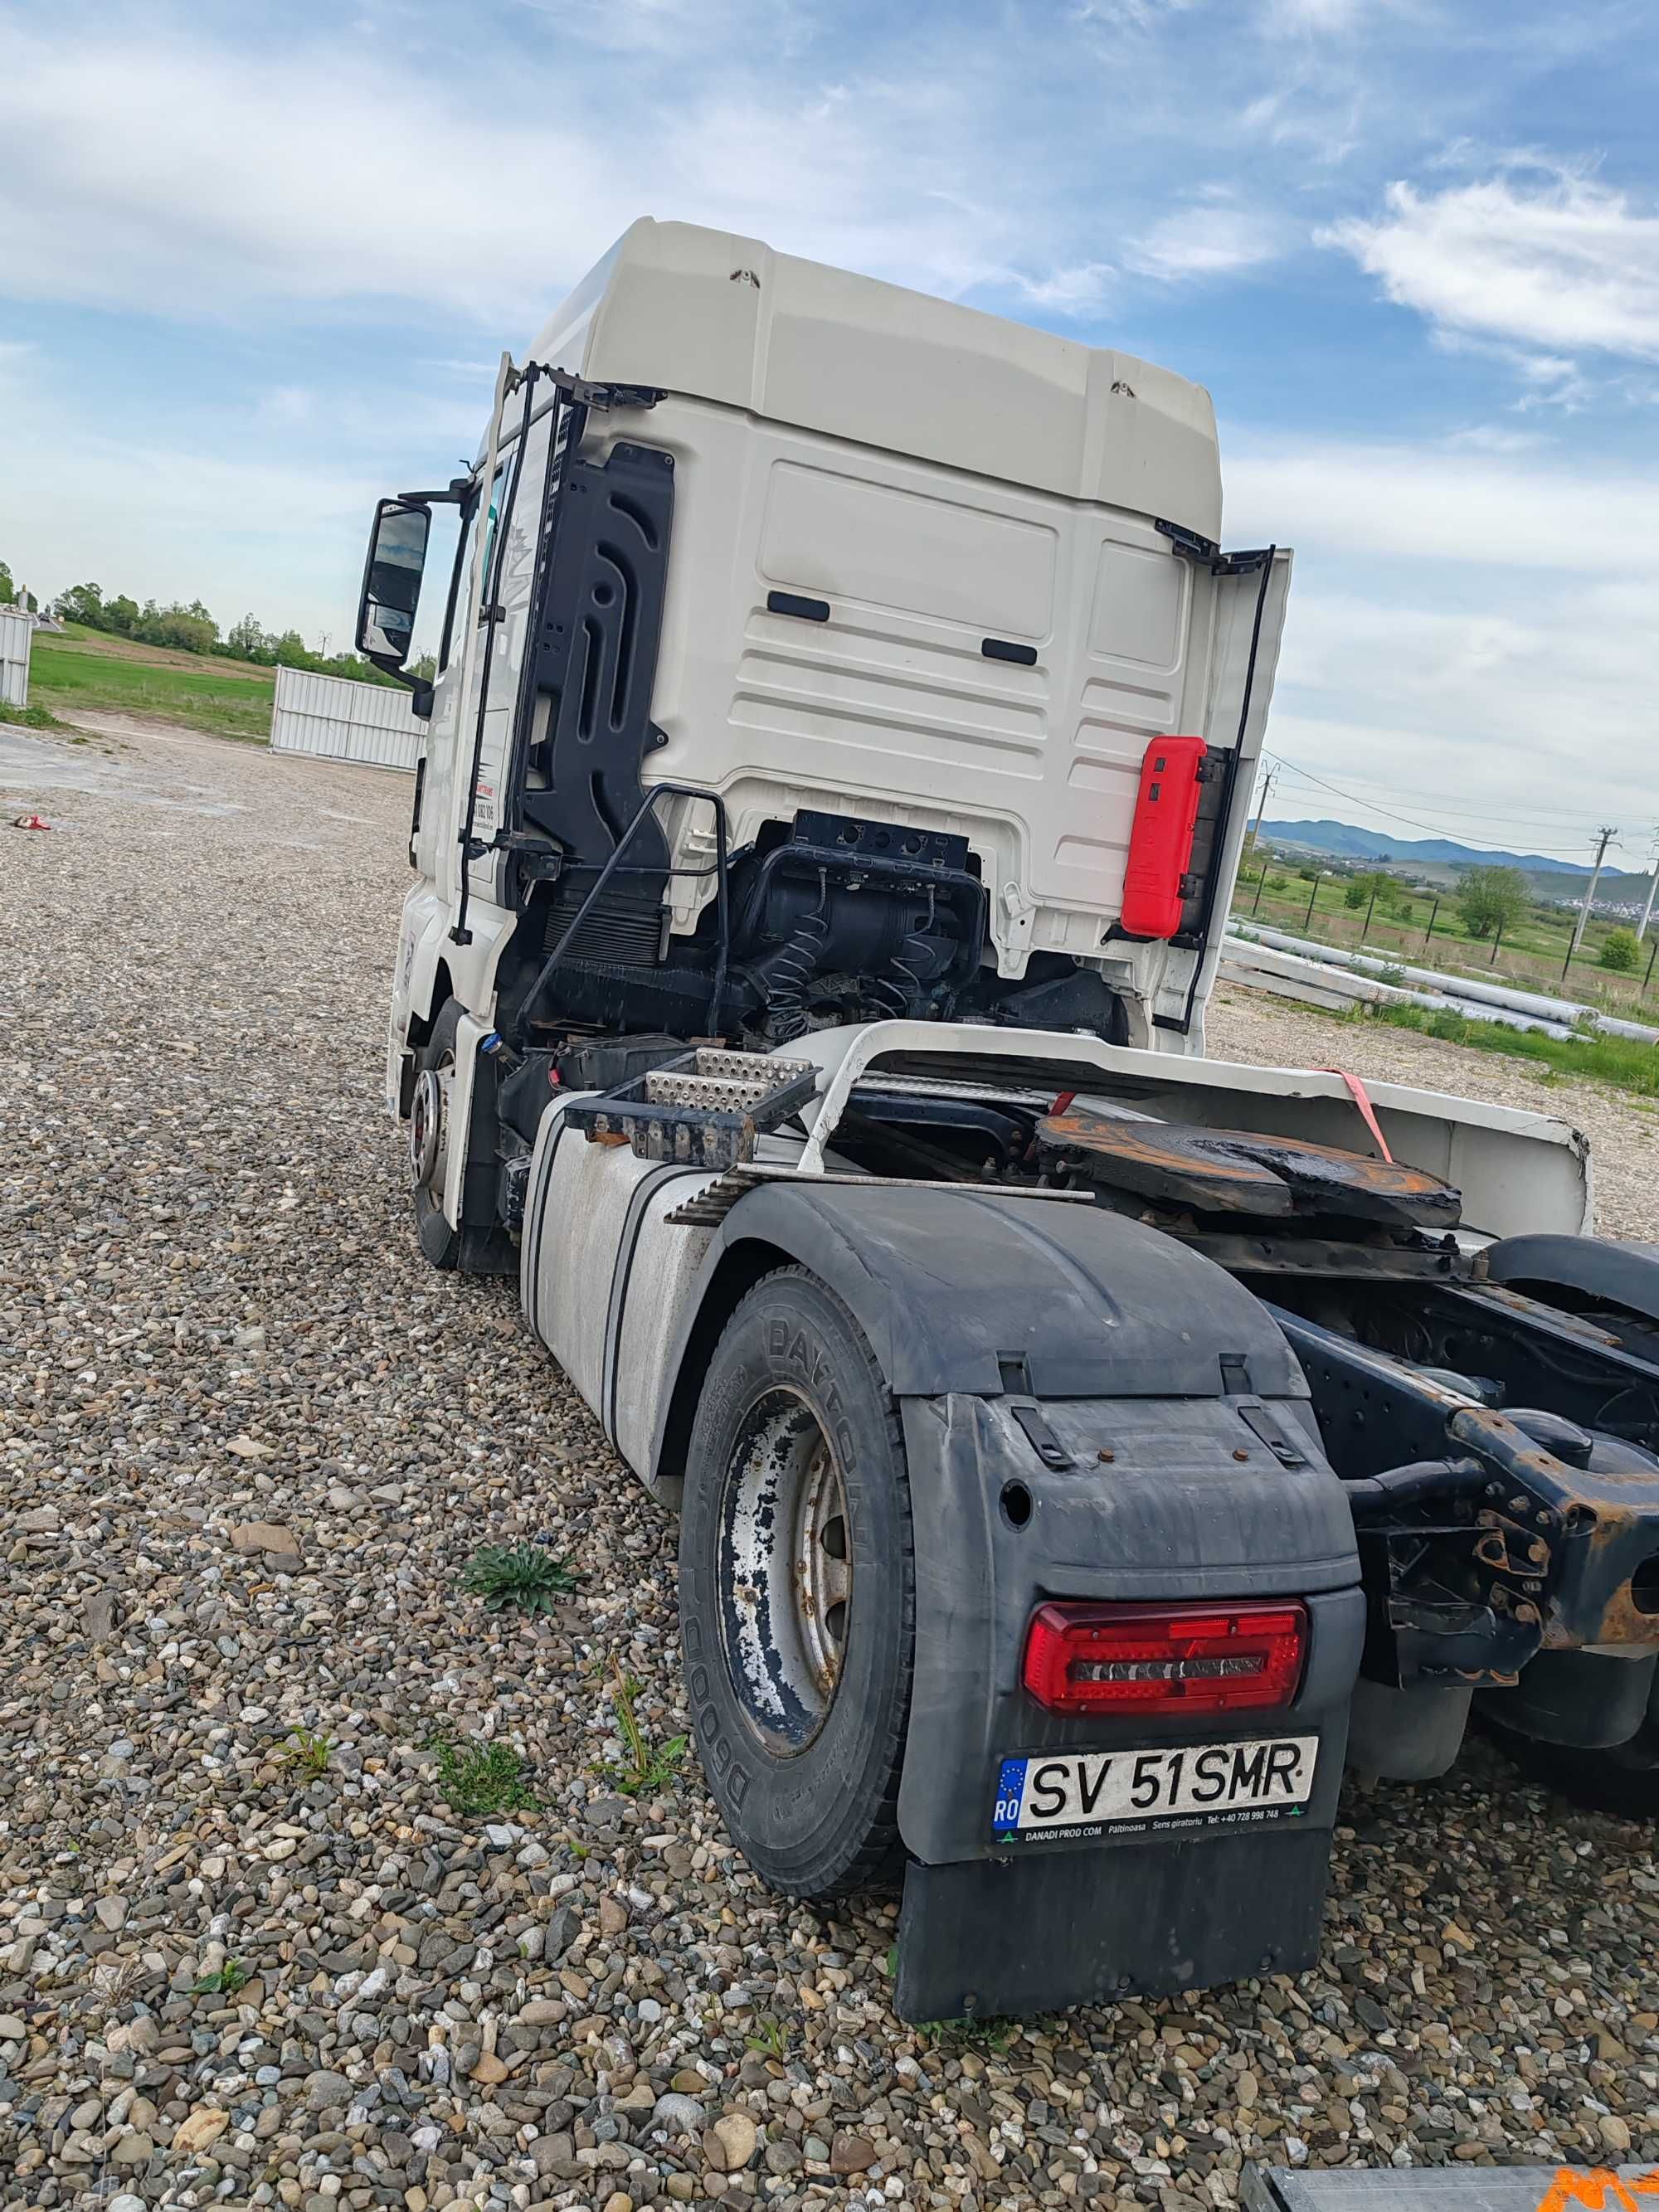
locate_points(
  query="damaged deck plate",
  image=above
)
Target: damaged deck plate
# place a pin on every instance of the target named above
(1450, 2189)
(1241, 1171)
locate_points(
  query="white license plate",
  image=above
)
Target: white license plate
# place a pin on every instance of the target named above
(1052, 1793)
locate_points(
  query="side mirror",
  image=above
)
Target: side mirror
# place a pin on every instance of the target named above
(392, 581)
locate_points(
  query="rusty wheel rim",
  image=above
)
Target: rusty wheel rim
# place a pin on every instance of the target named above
(822, 1574)
(785, 1571)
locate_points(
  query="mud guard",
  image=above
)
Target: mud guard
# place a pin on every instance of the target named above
(1090, 1411)
(1034, 1936)
(960, 1289)
(1190, 1505)
(1596, 1270)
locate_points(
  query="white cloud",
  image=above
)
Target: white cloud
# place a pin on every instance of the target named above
(288, 407)
(676, 27)
(1315, 17)
(1493, 438)
(178, 177)
(181, 179)
(1561, 263)
(1421, 503)
(1321, 109)
(1462, 624)
(168, 519)
(1208, 239)
(181, 175)
(1079, 291)
(1130, 14)
(1487, 710)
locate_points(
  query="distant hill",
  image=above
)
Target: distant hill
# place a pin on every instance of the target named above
(1343, 842)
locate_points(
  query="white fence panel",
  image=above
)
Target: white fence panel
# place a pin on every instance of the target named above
(16, 633)
(332, 719)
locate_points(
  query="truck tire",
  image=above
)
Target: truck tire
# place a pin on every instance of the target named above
(1623, 1778)
(429, 1140)
(797, 1584)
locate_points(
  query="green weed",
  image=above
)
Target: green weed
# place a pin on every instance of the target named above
(479, 1779)
(767, 2037)
(32, 718)
(647, 1769)
(224, 1982)
(518, 1574)
(307, 1754)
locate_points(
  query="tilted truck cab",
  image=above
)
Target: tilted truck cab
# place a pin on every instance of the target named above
(843, 728)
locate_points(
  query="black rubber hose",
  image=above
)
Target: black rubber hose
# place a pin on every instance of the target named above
(1377, 1496)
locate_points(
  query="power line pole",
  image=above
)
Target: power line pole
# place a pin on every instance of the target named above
(1603, 839)
(1261, 811)
(1653, 886)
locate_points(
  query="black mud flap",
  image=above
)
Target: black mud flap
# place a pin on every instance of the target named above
(1447, 2189)
(988, 1937)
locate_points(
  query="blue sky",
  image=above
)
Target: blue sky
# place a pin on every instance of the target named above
(255, 265)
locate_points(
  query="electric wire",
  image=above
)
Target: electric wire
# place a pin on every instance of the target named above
(1354, 799)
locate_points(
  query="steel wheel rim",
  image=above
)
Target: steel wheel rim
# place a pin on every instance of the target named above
(784, 1571)
(429, 1126)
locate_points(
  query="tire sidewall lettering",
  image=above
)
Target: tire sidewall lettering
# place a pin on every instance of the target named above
(789, 1347)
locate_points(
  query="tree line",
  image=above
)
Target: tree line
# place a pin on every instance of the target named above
(188, 627)
(1492, 902)
(25, 602)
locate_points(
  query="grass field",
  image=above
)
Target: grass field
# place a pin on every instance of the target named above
(83, 670)
(1623, 1062)
(1534, 956)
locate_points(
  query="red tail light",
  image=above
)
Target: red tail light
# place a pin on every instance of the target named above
(1165, 1658)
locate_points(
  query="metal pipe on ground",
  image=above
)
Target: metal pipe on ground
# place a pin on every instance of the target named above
(1568, 1013)
(1263, 967)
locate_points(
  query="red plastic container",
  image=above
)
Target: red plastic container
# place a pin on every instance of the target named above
(1161, 838)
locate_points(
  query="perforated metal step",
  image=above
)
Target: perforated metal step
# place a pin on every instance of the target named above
(706, 1108)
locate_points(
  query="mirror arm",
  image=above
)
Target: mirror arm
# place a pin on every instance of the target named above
(454, 493)
(421, 686)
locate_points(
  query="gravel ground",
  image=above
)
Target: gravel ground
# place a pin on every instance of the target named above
(254, 1947)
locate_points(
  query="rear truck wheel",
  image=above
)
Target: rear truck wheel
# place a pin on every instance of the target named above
(1587, 1698)
(1622, 1777)
(430, 1131)
(797, 1589)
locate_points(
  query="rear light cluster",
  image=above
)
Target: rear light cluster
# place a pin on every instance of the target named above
(1172, 1658)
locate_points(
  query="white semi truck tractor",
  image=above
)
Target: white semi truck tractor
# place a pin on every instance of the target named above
(835, 773)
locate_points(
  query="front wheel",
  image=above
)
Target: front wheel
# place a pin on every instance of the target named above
(430, 1134)
(797, 1590)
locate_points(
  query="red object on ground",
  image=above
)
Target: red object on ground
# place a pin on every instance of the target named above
(1161, 837)
(29, 821)
(1362, 1099)
(1197, 1658)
